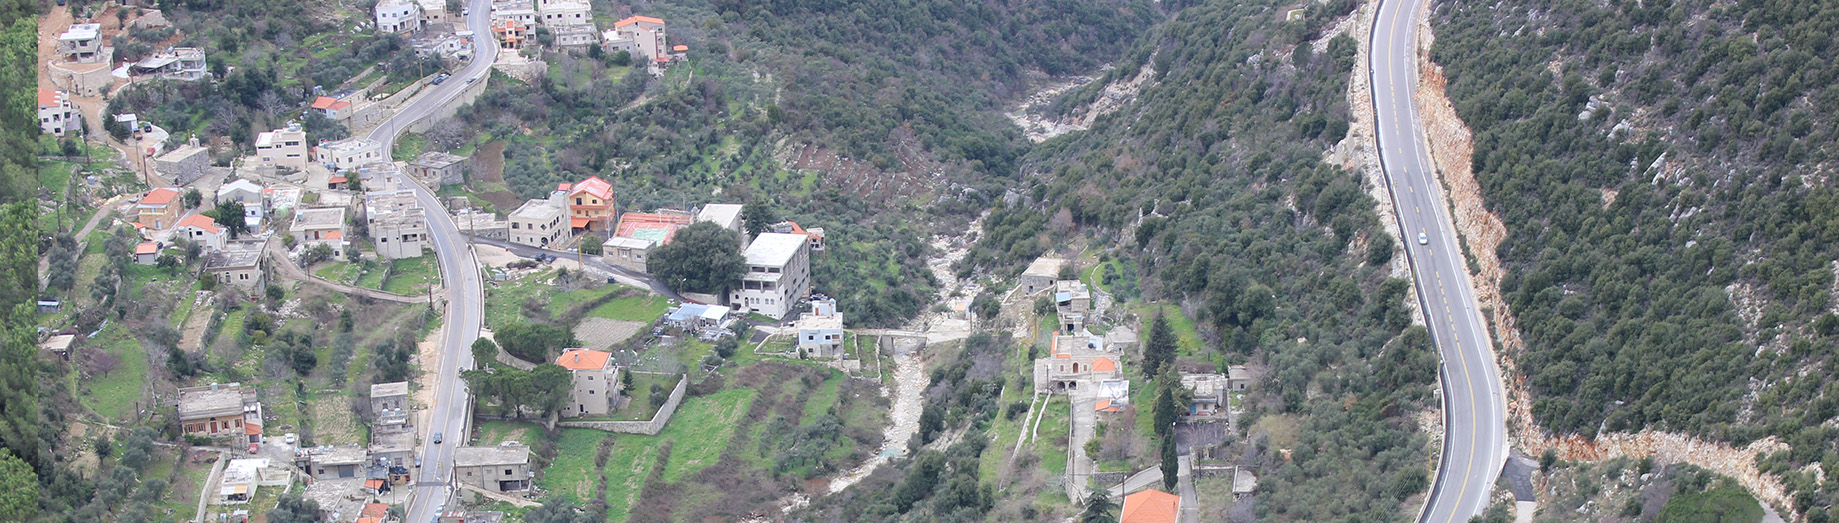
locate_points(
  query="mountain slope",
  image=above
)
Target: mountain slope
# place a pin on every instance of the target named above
(1663, 172)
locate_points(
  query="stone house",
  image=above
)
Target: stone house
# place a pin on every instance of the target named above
(337, 462)
(1075, 359)
(1040, 275)
(389, 403)
(503, 468)
(218, 410)
(1072, 302)
(238, 264)
(438, 168)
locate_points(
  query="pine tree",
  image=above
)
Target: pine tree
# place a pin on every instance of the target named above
(1159, 349)
(1171, 469)
(1167, 411)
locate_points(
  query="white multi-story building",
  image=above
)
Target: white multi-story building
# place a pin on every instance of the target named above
(82, 44)
(398, 16)
(284, 147)
(643, 36)
(55, 113)
(541, 222)
(778, 276)
(596, 380)
(396, 222)
(174, 63)
(820, 332)
(349, 153)
(557, 13)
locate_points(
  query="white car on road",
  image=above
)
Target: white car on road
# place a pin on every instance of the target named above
(1423, 239)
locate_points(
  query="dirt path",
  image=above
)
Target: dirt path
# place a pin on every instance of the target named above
(293, 272)
(191, 337)
(82, 235)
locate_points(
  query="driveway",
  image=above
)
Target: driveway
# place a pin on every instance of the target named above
(620, 274)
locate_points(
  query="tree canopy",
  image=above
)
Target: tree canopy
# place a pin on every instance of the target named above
(703, 257)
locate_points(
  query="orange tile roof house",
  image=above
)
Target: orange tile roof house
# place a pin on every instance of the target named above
(596, 382)
(1150, 506)
(1075, 359)
(146, 253)
(590, 204)
(202, 230)
(160, 208)
(642, 36)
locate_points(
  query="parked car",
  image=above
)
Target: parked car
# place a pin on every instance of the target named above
(290, 438)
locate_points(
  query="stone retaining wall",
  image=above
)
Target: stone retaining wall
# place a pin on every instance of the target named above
(649, 428)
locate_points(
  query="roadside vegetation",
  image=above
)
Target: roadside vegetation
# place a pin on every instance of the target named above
(1660, 170)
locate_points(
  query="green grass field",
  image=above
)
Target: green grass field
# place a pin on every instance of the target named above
(1189, 339)
(371, 277)
(412, 276)
(572, 473)
(113, 395)
(504, 303)
(340, 272)
(1051, 440)
(640, 408)
(647, 307)
(701, 428)
(627, 466)
(495, 432)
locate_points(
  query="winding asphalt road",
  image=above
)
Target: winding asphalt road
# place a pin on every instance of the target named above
(460, 273)
(1475, 436)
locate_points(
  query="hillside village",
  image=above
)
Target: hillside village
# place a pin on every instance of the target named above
(595, 333)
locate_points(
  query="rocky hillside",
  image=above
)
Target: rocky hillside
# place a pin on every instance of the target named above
(1662, 169)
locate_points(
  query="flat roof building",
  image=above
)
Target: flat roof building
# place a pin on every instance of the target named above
(778, 276)
(503, 468)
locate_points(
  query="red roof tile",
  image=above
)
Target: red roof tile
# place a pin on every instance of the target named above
(583, 359)
(593, 186)
(637, 19)
(146, 248)
(160, 196)
(1150, 506)
(202, 222)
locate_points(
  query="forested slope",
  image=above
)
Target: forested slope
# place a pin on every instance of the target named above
(897, 102)
(1663, 169)
(1213, 184)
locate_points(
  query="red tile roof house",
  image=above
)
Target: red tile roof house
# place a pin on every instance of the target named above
(159, 209)
(596, 380)
(590, 204)
(202, 230)
(333, 108)
(146, 253)
(1150, 506)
